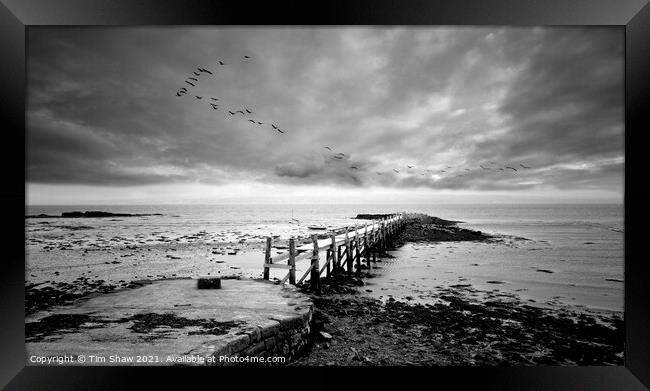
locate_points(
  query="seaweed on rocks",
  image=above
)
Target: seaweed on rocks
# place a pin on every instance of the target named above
(431, 229)
(460, 331)
(146, 323)
(39, 297)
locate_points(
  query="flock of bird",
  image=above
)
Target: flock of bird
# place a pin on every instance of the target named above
(245, 113)
(428, 171)
(193, 81)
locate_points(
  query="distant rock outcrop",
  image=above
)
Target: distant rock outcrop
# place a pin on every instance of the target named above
(373, 216)
(92, 213)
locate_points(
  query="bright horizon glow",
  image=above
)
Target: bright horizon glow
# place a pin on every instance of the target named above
(38, 194)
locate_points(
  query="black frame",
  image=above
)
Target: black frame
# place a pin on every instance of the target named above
(634, 15)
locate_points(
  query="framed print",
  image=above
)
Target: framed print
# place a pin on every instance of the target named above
(449, 191)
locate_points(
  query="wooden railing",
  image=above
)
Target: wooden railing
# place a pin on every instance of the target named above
(342, 251)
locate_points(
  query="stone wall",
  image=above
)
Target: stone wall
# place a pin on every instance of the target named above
(285, 336)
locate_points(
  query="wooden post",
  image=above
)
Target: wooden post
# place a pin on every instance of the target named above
(348, 251)
(382, 237)
(374, 254)
(338, 260)
(292, 261)
(315, 268)
(386, 235)
(328, 255)
(356, 248)
(387, 232)
(334, 251)
(371, 242)
(366, 247)
(267, 257)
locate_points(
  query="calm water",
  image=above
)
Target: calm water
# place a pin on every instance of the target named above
(574, 253)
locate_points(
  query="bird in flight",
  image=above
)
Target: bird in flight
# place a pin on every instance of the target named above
(193, 78)
(250, 120)
(397, 171)
(240, 111)
(204, 70)
(278, 129)
(199, 97)
(514, 169)
(179, 94)
(190, 83)
(215, 107)
(231, 113)
(259, 123)
(409, 166)
(249, 112)
(354, 167)
(221, 63)
(196, 74)
(214, 98)
(247, 57)
(328, 148)
(273, 126)
(523, 166)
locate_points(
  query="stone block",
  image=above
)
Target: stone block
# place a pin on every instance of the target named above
(253, 332)
(270, 343)
(270, 328)
(254, 349)
(212, 349)
(305, 315)
(207, 282)
(289, 322)
(284, 335)
(238, 343)
(296, 340)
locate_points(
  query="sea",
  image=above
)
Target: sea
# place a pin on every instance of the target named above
(546, 254)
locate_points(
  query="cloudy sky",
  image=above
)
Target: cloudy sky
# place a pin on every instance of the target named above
(105, 124)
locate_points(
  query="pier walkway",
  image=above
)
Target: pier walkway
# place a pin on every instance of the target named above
(348, 250)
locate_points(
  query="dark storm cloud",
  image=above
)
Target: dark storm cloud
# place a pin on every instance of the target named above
(102, 107)
(566, 103)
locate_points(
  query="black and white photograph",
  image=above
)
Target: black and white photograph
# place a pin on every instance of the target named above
(325, 196)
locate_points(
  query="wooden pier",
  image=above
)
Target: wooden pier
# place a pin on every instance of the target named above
(342, 252)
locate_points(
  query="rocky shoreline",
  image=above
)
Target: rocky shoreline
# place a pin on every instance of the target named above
(350, 329)
(464, 327)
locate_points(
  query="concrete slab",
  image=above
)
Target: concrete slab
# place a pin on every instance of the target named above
(110, 335)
